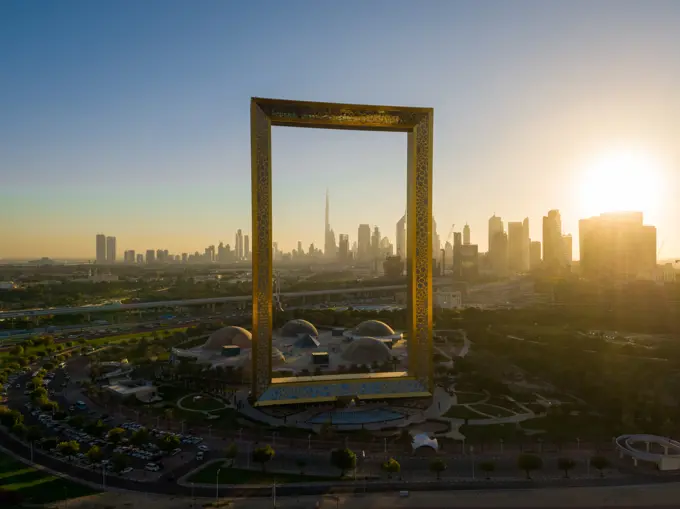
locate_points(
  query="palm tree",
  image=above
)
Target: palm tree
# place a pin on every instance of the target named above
(437, 466)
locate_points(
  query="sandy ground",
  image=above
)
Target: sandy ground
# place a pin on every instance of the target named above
(629, 496)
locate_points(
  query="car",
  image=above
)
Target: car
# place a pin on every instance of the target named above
(199, 455)
(126, 470)
(152, 467)
(203, 447)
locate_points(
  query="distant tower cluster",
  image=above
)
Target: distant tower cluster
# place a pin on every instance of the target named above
(105, 249)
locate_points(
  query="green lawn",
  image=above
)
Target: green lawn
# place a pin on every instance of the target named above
(204, 404)
(463, 412)
(469, 397)
(494, 410)
(37, 486)
(491, 433)
(131, 335)
(241, 476)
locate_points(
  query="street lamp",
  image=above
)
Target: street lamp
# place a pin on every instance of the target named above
(472, 455)
(217, 485)
(309, 441)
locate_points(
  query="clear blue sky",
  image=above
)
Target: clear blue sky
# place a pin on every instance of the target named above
(132, 118)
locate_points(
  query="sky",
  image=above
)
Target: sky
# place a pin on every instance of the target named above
(132, 118)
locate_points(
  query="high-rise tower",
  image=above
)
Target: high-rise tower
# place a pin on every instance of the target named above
(101, 248)
(466, 235)
(329, 248)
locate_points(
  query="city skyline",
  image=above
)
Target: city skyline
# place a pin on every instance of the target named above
(152, 144)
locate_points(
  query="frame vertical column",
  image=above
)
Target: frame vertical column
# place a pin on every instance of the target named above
(419, 250)
(261, 188)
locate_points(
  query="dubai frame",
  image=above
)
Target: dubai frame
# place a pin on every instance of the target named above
(418, 124)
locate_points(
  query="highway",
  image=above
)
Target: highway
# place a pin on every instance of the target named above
(28, 313)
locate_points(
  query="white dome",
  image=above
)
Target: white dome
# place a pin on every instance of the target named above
(366, 351)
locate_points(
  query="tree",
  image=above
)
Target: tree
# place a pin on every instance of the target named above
(39, 393)
(169, 443)
(95, 454)
(262, 455)
(565, 465)
(344, 459)
(529, 462)
(599, 463)
(391, 466)
(487, 467)
(437, 466)
(19, 429)
(301, 464)
(140, 437)
(69, 448)
(115, 435)
(230, 453)
(96, 428)
(10, 417)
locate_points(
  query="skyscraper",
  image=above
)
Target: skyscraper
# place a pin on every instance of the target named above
(518, 246)
(375, 243)
(498, 246)
(534, 255)
(150, 256)
(553, 249)
(466, 235)
(526, 245)
(101, 248)
(400, 237)
(343, 248)
(364, 242)
(457, 258)
(495, 226)
(515, 240)
(110, 249)
(616, 245)
(239, 245)
(568, 250)
(246, 247)
(329, 247)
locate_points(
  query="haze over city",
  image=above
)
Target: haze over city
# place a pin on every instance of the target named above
(139, 127)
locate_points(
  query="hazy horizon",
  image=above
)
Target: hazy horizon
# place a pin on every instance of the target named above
(132, 120)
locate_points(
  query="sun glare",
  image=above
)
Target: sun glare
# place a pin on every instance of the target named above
(621, 181)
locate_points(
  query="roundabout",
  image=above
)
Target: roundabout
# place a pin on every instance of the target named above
(665, 452)
(201, 403)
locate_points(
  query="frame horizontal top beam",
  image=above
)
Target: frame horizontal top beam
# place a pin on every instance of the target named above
(355, 117)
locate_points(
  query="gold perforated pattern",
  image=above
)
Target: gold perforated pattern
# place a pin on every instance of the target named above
(418, 123)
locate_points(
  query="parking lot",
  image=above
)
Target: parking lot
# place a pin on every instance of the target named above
(130, 450)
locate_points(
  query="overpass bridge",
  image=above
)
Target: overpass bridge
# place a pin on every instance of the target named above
(85, 310)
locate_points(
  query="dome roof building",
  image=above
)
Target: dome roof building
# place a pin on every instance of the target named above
(229, 336)
(373, 328)
(366, 351)
(295, 328)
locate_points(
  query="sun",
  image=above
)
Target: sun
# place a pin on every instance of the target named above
(621, 181)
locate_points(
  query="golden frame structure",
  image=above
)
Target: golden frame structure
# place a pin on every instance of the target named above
(418, 123)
